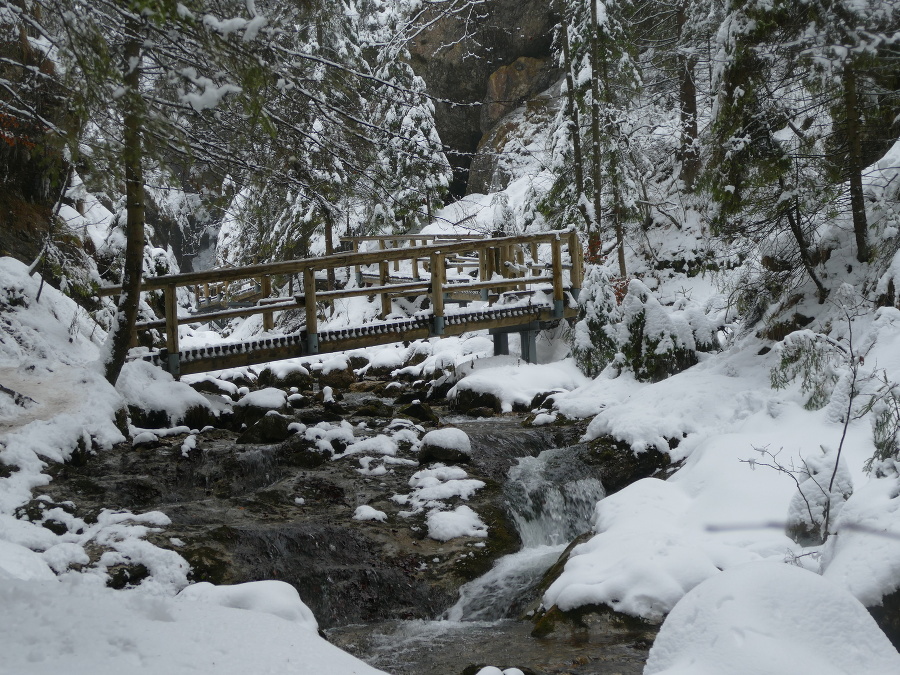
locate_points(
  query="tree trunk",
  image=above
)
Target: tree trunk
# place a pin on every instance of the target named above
(614, 182)
(597, 166)
(688, 152)
(127, 310)
(574, 118)
(855, 164)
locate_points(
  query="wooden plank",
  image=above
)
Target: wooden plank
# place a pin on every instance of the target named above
(265, 283)
(437, 289)
(309, 301)
(576, 255)
(171, 306)
(384, 274)
(556, 251)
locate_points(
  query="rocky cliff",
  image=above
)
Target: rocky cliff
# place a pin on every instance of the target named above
(488, 61)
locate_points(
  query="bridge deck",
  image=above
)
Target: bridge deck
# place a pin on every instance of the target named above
(420, 327)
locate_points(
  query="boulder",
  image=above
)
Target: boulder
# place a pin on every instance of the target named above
(620, 466)
(466, 399)
(374, 407)
(271, 428)
(448, 445)
(285, 376)
(419, 411)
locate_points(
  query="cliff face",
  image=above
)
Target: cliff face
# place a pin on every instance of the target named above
(488, 62)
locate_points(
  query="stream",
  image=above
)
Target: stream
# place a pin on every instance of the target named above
(244, 509)
(551, 500)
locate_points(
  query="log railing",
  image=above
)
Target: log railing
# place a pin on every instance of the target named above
(500, 262)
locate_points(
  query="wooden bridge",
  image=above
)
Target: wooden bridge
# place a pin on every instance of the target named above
(503, 284)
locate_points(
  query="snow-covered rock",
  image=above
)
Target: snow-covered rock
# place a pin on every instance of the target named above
(770, 618)
(445, 445)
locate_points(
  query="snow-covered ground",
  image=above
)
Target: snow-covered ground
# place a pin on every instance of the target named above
(707, 547)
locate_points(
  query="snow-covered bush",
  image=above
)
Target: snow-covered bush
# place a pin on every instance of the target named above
(640, 334)
(822, 490)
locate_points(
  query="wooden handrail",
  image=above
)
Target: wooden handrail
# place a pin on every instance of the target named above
(336, 260)
(501, 263)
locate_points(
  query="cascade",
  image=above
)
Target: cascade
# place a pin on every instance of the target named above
(551, 499)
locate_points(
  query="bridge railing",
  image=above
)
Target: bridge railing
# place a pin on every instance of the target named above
(500, 261)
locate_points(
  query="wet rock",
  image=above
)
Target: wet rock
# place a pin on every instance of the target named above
(480, 412)
(198, 417)
(408, 397)
(368, 387)
(126, 576)
(887, 616)
(272, 428)
(438, 389)
(620, 466)
(466, 399)
(299, 401)
(256, 404)
(421, 412)
(543, 400)
(587, 619)
(138, 493)
(285, 378)
(356, 361)
(374, 407)
(337, 378)
(213, 385)
(312, 416)
(299, 452)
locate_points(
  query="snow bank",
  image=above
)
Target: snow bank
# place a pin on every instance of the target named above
(864, 557)
(770, 618)
(271, 597)
(518, 384)
(147, 387)
(646, 556)
(82, 628)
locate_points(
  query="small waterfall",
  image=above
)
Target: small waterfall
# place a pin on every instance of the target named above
(551, 498)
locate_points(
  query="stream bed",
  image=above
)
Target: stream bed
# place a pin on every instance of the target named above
(245, 508)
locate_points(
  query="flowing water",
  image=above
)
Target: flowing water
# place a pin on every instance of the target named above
(551, 498)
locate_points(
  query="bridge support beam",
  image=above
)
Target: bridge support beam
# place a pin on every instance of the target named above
(529, 345)
(528, 339)
(171, 303)
(501, 344)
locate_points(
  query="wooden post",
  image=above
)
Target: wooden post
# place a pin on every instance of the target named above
(534, 258)
(576, 253)
(357, 267)
(557, 277)
(415, 266)
(437, 292)
(383, 277)
(265, 283)
(312, 321)
(171, 306)
(397, 261)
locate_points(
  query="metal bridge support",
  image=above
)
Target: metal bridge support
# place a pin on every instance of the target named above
(529, 345)
(501, 344)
